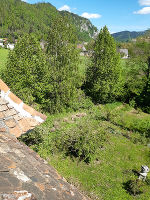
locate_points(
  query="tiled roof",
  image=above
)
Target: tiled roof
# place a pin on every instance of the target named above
(16, 117)
(23, 174)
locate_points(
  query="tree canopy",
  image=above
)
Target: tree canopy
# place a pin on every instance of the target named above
(103, 75)
(63, 65)
(26, 70)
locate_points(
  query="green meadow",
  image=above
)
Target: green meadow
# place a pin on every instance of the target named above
(3, 58)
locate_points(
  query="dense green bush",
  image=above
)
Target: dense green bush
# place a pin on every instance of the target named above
(35, 138)
(81, 142)
(133, 187)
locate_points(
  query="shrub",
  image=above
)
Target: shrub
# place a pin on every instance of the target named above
(34, 138)
(133, 187)
(81, 142)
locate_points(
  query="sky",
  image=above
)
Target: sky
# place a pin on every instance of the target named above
(117, 15)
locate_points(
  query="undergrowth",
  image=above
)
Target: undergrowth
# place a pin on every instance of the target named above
(98, 150)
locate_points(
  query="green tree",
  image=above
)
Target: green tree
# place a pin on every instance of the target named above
(140, 75)
(63, 66)
(26, 70)
(104, 74)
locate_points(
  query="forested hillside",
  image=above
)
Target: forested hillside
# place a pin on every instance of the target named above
(125, 36)
(18, 17)
(85, 29)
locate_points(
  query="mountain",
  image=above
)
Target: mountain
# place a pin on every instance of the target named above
(85, 29)
(18, 17)
(125, 36)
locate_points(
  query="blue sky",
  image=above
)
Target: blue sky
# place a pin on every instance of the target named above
(118, 15)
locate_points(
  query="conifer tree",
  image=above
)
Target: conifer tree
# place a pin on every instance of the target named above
(103, 82)
(63, 66)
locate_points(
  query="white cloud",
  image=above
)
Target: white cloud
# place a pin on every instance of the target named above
(65, 7)
(143, 11)
(144, 2)
(90, 16)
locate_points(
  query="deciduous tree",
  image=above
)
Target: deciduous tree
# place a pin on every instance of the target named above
(63, 65)
(26, 70)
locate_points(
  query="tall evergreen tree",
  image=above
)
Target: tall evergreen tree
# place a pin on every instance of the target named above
(26, 70)
(63, 65)
(103, 82)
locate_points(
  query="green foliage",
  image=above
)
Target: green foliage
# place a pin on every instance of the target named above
(140, 50)
(127, 118)
(34, 138)
(18, 17)
(138, 74)
(84, 28)
(134, 74)
(26, 70)
(63, 59)
(81, 142)
(109, 173)
(133, 187)
(104, 82)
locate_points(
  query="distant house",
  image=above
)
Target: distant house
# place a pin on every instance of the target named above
(124, 53)
(1, 42)
(133, 40)
(83, 50)
(10, 46)
(4, 43)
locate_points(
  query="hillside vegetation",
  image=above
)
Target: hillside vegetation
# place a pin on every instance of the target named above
(125, 36)
(85, 29)
(18, 17)
(99, 150)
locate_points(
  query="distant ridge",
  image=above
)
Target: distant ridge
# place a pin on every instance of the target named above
(125, 36)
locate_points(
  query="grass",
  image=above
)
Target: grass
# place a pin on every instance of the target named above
(113, 165)
(83, 63)
(105, 177)
(3, 58)
(127, 117)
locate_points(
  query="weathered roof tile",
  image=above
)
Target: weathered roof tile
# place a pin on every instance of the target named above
(15, 131)
(10, 122)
